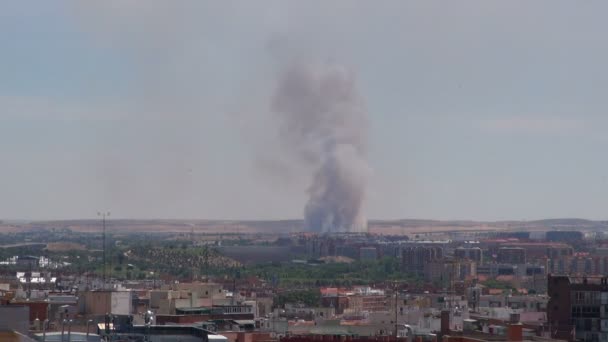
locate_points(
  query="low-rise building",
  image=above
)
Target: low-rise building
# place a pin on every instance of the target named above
(102, 302)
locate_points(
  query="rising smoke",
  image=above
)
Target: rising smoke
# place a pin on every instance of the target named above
(323, 122)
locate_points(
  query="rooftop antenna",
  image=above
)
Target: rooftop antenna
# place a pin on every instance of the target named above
(103, 216)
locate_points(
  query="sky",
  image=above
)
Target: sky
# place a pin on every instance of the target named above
(484, 110)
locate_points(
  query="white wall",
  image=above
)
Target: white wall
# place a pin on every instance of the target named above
(121, 303)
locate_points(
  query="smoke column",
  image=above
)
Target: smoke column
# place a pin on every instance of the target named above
(323, 122)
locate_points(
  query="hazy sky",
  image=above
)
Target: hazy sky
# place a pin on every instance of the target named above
(159, 109)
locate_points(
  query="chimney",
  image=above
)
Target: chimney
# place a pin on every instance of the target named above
(515, 328)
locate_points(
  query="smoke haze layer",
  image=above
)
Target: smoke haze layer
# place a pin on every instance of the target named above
(323, 123)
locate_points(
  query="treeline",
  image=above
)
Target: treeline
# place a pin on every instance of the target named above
(331, 274)
(309, 297)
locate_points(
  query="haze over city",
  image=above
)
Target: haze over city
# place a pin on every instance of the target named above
(295, 171)
(471, 109)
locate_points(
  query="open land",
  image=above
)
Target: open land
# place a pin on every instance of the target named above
(234, 227)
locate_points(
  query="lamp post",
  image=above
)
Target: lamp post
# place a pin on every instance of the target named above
(103, 216)
(88, 323)
(62, 329)
(44, 326)
(148, 320)
(114, 324)
(69, 330)
(396, 328)
(396, 299)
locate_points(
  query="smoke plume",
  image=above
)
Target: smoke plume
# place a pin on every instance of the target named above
(323, 123)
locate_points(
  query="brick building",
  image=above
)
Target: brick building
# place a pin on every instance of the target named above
(578, 308)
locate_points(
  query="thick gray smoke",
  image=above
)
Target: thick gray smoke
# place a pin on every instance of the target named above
(324, 123)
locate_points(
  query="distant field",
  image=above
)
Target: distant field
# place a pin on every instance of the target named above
(399, 230)
(393, 227)
(65, 246)
(255, 254)
(26, 244)
(4, 228)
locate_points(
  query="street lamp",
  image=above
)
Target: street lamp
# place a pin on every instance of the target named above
(63, 328)
(103, 216)
(45, 324)
(148, 320)
(88, 323)
(396, 293)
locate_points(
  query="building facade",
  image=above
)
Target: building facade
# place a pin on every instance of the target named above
(578, 308)
(512, 255)
(414, 258)
(469, 253)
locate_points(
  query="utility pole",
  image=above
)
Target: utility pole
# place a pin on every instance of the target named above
(396, 296)
(194, 255)
(103, 222)
(233, 290)
(206, 263)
